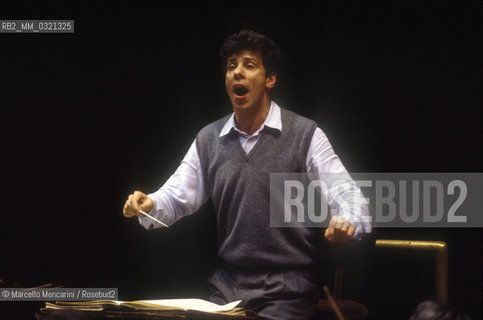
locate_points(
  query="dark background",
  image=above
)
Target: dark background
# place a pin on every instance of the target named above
(88, 117)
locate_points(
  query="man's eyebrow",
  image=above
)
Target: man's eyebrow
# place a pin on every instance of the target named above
(245, 59)
(250, 59)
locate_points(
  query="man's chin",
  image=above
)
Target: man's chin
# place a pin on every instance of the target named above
(238, 105)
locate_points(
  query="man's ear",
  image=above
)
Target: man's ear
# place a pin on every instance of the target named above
(271, 80)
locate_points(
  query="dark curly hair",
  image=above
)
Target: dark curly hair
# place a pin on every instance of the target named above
(250, 40)
(431, 310)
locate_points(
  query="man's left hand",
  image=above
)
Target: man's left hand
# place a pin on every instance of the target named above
(339, 230)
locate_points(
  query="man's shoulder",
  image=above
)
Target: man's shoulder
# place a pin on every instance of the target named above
(296, 120)
(214, 127)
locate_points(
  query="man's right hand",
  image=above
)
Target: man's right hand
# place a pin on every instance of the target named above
(135, 202)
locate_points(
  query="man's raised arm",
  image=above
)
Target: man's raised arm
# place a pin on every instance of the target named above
(182, 194)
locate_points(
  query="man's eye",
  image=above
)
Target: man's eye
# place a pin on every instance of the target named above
(250, 66)
(231, 67)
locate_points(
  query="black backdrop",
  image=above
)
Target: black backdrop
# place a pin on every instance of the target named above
(88, 117)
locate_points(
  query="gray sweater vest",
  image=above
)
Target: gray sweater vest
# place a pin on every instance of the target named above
(238, 185)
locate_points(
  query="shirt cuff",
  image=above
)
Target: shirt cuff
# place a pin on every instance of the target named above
(148, 223)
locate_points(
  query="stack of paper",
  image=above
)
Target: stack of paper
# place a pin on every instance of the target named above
(150, 305)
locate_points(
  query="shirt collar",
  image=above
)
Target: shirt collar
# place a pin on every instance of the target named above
(273, 120)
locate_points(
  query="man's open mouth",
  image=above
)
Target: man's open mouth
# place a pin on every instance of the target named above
(240, 91)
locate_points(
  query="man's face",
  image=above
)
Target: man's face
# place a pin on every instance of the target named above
(247, 84)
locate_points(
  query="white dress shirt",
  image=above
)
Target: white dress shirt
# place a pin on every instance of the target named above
(184, 192)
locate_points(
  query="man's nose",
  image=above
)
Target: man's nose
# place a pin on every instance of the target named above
(239, 72)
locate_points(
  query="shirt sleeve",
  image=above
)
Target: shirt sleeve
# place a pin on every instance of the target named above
(342, 194)
(182, 194)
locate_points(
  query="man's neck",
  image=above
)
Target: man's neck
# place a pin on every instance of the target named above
(250, 121)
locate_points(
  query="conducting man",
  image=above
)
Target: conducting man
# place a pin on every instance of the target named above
(230, 162)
